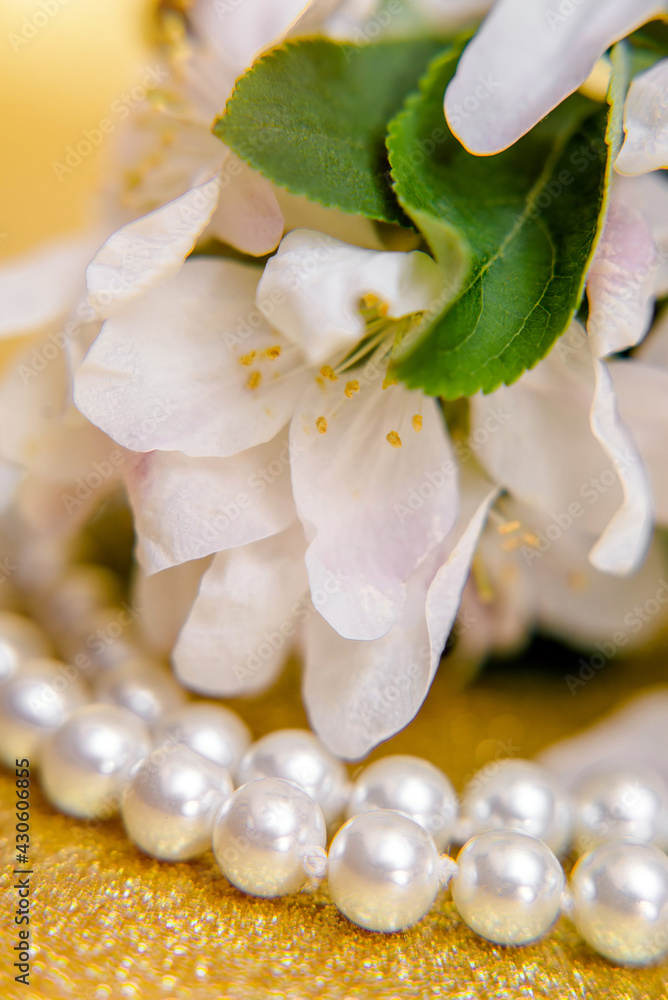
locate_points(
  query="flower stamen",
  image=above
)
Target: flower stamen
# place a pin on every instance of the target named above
(508, 527)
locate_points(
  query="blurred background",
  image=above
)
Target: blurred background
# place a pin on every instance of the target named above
(63, 64)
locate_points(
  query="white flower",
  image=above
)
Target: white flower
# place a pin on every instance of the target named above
(532, 571)
(645, 147)
(203, 375)
(188, 183)
(193, 371)
(47, 449)
(560, 438)
(527, 57)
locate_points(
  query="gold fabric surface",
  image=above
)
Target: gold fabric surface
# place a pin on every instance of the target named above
(111, 923)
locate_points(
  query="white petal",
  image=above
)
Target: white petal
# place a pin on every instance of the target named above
(166, 372)
(622, 546)
(242, 624)
(314, 284)
(634, 735)
(534, 437)
(164, 601)
(582, 606)
(360, 693)
(38, 288)
(651, 192)
(186, 508)
(621, 278)
(645, 147)
(240, 31)
(144, 253)
(248, 216)
(642, 392)
(654, 349)
(445, 592)
(526, 58)
(40, 429)
(372, 511)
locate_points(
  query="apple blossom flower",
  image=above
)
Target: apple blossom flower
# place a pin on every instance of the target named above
(202, 376)
(532, 572)
(210, 385)
(562, 437)
(188, 184)
(48, 449)
(526, 58)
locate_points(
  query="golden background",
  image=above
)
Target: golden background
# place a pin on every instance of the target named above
(110, 923)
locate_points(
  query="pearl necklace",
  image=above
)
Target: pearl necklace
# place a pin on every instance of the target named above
(170, 767)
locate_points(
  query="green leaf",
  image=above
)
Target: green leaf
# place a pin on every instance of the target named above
(648, 45)
(312, 117)
(515, 233)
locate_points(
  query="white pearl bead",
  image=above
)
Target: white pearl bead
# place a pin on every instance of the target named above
(297, 755)
(20, 639)
(265, 835)
(621, 802)
(620, 901)
(519, 795)
(144, 686)
(89, 760)
(211, 730)
(34, 701)
(171, 803)
(412, 786)
(383, 870)
(508, 886)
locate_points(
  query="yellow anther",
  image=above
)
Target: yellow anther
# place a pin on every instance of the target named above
(328, 372)
(481, 579)
(272, 352)
(370, 300)
(389, 381)
(511, 544)
(508, 527)
(254, 380)
(352, 388)
(394, 439)
(577, 580)
(417, 423)
(321, 424)
(247, 359)
(531, 539)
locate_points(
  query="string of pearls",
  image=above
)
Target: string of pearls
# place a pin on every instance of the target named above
(186, 777)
